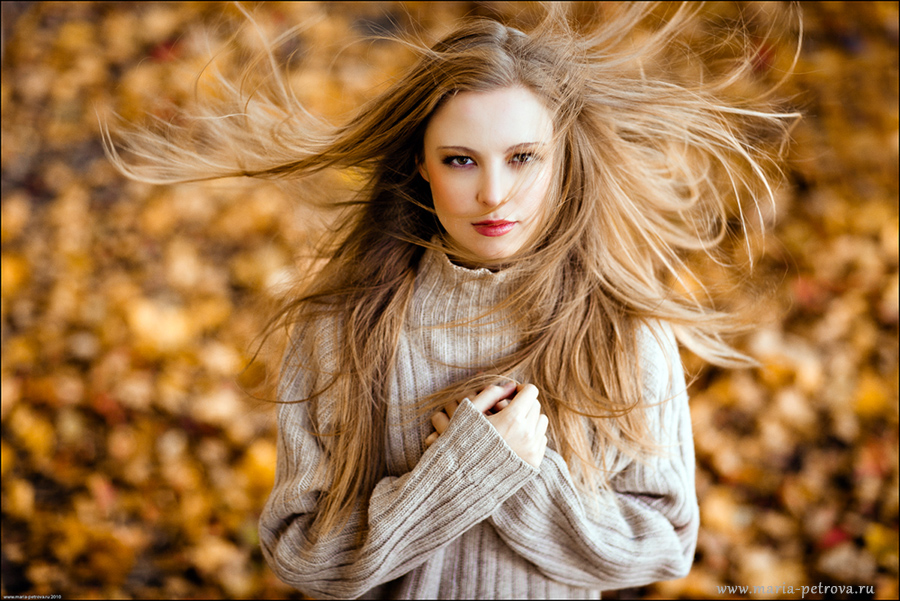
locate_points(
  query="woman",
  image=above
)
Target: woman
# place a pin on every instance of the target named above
(483, 396)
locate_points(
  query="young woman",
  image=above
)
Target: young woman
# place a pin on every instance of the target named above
(483, 397)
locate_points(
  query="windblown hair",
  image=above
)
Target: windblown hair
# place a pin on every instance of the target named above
(652, 166)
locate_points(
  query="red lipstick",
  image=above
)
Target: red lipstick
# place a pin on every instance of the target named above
(494, 228)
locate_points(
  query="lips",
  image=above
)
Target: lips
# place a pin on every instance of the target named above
(493, 229)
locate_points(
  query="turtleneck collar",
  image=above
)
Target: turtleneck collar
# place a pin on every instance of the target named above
(448, 292)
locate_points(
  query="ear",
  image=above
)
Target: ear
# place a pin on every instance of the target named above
(422, 170)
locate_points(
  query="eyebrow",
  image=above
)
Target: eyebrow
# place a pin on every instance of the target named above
(514, 147)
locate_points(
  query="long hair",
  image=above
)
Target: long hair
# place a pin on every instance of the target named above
(652, 166)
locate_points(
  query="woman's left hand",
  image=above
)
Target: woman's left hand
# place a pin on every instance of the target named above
(441, 419)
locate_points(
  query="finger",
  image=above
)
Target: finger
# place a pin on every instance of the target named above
(450, 408)
(440, 421)
(488, 397)
(534, 411)
(501, 382)
(431, 438)
(525, 400)
(513, 387)
(500, 406)
(542, 425)
(504, 402)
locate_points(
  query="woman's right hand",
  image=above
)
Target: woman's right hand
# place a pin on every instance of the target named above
(520, 423)
(518, 420)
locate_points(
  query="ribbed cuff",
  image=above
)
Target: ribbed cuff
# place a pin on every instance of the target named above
(483, 459)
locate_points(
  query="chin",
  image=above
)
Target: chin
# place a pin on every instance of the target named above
(494, 255)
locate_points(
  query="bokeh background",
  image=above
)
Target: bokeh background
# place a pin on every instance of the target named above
(135, 465)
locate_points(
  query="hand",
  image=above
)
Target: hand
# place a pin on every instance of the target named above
(519, 421)
(441, 419)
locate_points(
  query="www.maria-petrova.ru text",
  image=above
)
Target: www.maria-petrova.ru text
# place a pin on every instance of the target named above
(789, 589)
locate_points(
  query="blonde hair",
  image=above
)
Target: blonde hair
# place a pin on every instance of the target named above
(653, 165)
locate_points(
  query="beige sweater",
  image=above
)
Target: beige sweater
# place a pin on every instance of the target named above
(466, 518)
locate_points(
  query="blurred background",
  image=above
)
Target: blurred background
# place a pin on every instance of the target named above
(135, 466)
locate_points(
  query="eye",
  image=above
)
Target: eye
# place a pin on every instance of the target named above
(524, 157)
(458, 161)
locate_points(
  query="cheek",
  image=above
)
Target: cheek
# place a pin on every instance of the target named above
(448, 194)
(538, 199)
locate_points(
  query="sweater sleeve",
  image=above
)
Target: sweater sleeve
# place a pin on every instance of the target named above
(456, 484)
(644, 527)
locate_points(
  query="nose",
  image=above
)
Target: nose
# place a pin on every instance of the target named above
(493, 187)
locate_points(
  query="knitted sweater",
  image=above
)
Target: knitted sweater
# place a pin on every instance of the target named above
(467, 518)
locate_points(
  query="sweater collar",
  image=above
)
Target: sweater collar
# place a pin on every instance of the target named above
(437, 264)
(446, 288)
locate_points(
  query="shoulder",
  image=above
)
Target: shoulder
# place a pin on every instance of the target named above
(660, 362)
(656, 341)
(316, 336)
(313, 349)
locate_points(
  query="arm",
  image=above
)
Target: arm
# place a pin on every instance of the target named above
(642, 530)
(457, 483)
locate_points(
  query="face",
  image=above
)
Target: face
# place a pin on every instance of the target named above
(488, 159)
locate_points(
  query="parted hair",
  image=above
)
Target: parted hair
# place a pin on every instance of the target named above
(658, 157)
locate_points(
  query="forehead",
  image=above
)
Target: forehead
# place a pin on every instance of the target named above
(498, 118)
